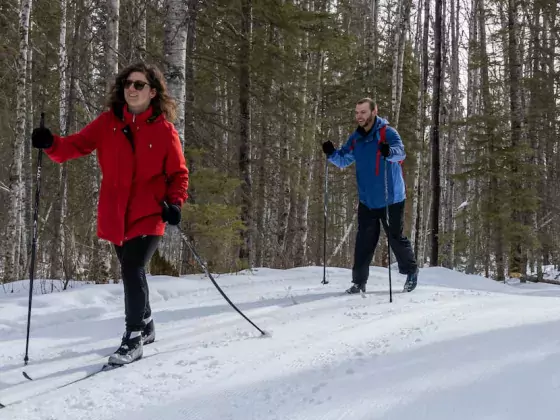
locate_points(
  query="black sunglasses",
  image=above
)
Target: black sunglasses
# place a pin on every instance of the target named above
(138, 84)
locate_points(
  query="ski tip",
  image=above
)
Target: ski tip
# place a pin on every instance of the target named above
(2, 405)
(27, 376)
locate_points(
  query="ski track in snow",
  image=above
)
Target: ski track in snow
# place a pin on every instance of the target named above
(458, 347)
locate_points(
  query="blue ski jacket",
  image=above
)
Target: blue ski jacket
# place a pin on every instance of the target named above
(363, 148)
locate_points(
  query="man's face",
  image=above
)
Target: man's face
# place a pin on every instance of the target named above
(364, 115)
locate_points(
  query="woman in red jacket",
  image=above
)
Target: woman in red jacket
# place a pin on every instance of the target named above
(144, 184)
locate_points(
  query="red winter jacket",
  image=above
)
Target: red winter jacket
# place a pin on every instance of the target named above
(137, 177)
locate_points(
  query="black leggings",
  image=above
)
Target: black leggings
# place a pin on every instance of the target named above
(133, 256)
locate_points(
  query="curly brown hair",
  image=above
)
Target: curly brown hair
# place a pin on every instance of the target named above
(162, 103)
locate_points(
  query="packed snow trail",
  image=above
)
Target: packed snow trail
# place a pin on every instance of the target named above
(459, 347)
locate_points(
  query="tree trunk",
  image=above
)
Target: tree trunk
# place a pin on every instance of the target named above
(174, 49)
(453, 138)
(375, 43)
(263, 172)
(494, 203)
(101, 258)
(245, 251)
(398, 32)
(190, 132)
(58, 248)
(28, 197)
(402, 23)
(11, 271)
(436, 187)
(418, 202)
(138, 30)
(311, 166)
(473, 209)
(516, 118)
(112, 42)
(283, 173)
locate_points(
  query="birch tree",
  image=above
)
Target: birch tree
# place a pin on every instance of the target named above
(174, 49)
(112, 41)
(58, 249)
(138, 30)
(10, 246)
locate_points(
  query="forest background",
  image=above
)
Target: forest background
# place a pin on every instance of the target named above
(472, 86)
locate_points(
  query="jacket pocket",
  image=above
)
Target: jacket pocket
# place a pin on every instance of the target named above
(142, 203)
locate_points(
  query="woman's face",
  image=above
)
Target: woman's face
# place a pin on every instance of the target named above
(137, 92)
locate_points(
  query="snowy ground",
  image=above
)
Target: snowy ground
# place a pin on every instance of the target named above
(459, 347)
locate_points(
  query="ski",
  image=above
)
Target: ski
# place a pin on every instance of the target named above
(106, 367)
(26, 375)
(33, 378)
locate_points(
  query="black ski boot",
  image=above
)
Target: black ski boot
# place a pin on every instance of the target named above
(149, 332)
(130, 350)
(411, 281)
(356, 288)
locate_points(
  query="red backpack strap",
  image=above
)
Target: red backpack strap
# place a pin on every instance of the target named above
(382, 132)
(353, 144)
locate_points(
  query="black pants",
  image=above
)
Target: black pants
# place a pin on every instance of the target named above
(133, 256)
(368, 235)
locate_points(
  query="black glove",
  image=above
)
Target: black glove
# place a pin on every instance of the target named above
(385, 149)
(41, 138)
(171, 213)
(328, 148)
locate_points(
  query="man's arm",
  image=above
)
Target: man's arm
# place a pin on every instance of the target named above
(344, 156)
(395, 144)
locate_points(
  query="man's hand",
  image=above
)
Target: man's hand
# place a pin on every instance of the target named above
(328, 148)
(385, 149)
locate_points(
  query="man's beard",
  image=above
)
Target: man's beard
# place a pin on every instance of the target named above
(367, 122)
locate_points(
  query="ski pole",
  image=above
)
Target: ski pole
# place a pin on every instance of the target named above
(34, 243)
(325, 199)
(388, 230)
(207, 271)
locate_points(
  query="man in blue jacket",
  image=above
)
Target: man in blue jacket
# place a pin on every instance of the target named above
(373, 145)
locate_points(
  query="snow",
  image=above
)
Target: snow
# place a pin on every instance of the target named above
(458, 347)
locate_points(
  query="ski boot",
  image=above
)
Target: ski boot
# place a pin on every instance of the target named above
(356, 288)
(411, 281)
(149, 332)
(130, 350)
